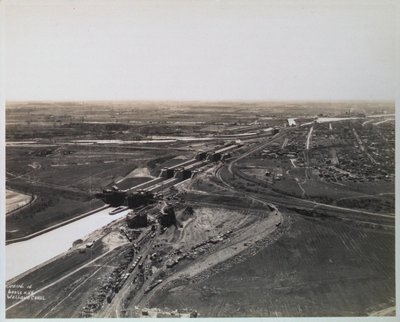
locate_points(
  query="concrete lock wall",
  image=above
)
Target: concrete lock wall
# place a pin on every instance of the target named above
(201, 156)
(167, 173)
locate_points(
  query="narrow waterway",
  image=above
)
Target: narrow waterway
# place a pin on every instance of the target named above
(25, 255)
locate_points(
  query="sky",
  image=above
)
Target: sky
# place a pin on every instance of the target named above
(199, 50)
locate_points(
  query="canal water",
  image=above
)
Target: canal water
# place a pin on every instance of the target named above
(25, 255)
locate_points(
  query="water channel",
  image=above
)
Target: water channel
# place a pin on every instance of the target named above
(25, 255)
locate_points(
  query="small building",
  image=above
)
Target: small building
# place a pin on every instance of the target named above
(182, 173)
(140, 198)
(136, 220)
(112, 197)
(201, 155)
(167, 217)
(213, 156)
(166, 173)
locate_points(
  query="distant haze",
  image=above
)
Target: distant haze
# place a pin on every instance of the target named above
(200, 50)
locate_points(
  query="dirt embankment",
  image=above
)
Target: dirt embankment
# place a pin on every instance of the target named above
(206, 239)
(316, 268)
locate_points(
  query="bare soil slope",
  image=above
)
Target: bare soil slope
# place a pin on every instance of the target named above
(316, 269)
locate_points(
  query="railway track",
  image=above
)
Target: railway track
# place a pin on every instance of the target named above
(293, 202)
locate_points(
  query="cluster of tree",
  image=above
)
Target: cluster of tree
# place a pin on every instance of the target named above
(41, 203)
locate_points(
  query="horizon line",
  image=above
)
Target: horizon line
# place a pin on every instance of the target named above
(202, 101)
